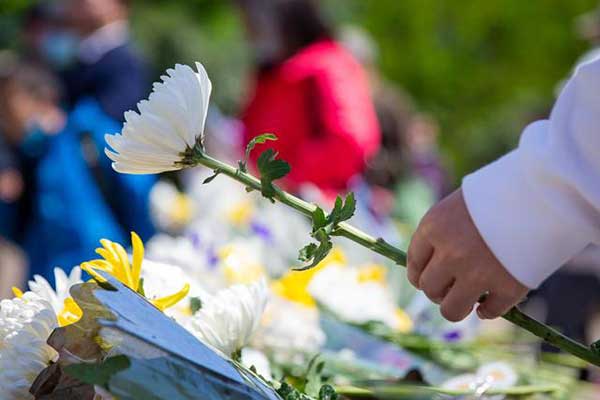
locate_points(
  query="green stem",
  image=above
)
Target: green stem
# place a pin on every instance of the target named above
(380, 246)
(404, 390)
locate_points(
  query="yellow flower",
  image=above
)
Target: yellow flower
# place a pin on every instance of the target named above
(372, 273)
(240, 266)
(182, 210)
(404, 323)
(115, 261)
(293, 286)
(241, 212)
(70, 314)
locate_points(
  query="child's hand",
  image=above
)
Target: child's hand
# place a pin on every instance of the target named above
(451, 263)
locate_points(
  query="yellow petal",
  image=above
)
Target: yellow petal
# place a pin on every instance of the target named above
(17, 292)
(165, 302)
(70, 314)
(138, 257)
(108, 252)
(87, 267)
(123, 265)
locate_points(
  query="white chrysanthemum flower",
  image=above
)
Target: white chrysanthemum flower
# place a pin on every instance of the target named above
(499, 375)
(25, 325)
(227, 320)
(171, 210)
(495, 375)
(169, 123)
(63, 282)
(258, 360)
(160, 278)
(289, 331)
(335, 287)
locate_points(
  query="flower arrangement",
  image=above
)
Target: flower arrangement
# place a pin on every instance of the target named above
(216, 312)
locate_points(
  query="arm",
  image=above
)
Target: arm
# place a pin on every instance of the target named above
(539, 206)
(519, 219)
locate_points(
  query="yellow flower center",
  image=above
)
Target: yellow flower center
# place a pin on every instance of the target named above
(372, 273)
(404, 323)
(241, 213)
(182, 210)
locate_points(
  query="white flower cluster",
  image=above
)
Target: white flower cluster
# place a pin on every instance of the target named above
(25, 325)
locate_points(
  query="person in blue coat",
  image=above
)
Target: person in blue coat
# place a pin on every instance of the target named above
(75, 198)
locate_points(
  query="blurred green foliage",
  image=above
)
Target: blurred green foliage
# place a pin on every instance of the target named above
(484, 69)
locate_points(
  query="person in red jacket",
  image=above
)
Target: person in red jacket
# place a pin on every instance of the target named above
(311, 93)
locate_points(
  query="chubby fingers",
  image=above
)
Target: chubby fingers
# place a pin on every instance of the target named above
(420, 252)
(436, 280)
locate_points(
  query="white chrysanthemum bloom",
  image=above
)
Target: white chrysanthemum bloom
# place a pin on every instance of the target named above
(63, 282)
(169, 123)
(499, 375)
(160, 278)
(335, 287)
(171, 210)
(227, 321)
(495, 375)
(291, 332)
(25, 325)
(258, 360)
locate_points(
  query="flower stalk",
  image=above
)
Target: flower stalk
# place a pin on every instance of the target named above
(197, 156)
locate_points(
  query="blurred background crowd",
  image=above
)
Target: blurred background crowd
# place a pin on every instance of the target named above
(395, 100)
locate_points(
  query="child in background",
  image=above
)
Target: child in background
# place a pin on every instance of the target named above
(72, 198)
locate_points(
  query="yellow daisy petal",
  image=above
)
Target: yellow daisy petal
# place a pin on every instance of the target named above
(138, 257)
(169, 301)
(87, 267)
(70, 314)
(17, 292)
(123, 264)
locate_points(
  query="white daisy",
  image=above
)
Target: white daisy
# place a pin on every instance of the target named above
(56, 297)
(227, 320)
(169, 123)
(25, 325)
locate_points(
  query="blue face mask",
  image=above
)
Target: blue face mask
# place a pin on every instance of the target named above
(59, 48)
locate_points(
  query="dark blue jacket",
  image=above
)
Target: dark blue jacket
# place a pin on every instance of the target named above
(117, 81)
(79, 199)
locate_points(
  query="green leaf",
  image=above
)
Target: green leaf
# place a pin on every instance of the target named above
(195, 304)
(217, 172)
(314, 252)
(271, 169)
(343, 210)
(319, 219)
(327, 392)
(98, 374)
(260, 139)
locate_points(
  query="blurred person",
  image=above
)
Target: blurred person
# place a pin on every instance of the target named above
(588, 28)
(103, 63)
(75, 198)
(309, 91)
(406, 174)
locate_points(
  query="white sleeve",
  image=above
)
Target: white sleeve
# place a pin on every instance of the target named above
(539, 206)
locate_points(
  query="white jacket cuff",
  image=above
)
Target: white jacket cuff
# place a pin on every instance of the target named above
(518, 225)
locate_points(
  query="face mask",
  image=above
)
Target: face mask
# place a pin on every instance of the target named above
(59, 48)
